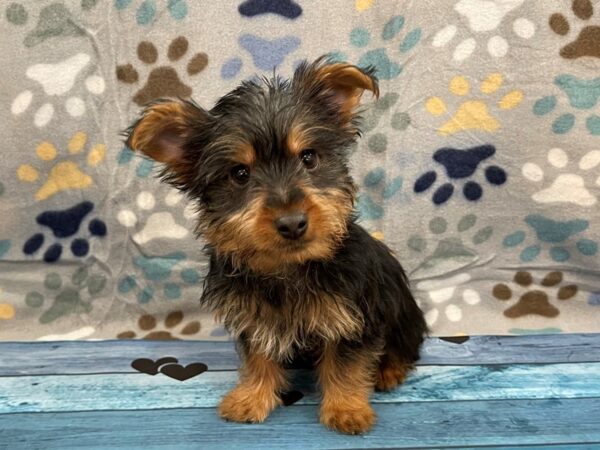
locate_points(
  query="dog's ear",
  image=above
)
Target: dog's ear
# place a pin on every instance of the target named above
(164, 128)
(340, 84)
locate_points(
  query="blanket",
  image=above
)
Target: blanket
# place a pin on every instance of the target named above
(479, 164)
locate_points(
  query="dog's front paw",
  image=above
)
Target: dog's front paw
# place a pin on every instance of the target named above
(349, 421)
(245, 405)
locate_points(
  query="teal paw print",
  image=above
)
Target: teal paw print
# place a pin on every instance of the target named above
(159, 272)
(387, 67)
(143, 166)
(399, 121)
(4, 247)
(446, 249)
(554, 235)
(54, 20)
(74, 297)
(376, 191)
(147, 10)
(583, 95)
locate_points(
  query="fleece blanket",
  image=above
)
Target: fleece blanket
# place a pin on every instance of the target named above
(479, 165)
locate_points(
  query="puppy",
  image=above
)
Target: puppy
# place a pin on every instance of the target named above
(291, 273)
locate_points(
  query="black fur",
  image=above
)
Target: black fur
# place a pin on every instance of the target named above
(359, 275)
(363, 272)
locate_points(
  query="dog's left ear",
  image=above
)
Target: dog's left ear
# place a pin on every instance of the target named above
(340, 84)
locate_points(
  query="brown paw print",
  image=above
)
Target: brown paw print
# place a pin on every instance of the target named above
(147, 325)
(588, 41)
(163, 81)
(535, 301)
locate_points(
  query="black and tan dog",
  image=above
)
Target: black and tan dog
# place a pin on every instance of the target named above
(291, 272)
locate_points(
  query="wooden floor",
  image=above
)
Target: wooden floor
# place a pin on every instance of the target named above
(491, 392)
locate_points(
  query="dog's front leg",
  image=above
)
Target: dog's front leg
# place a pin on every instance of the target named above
(346, 379)
(257, 392)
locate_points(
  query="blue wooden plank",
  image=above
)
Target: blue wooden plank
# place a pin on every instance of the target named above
(29, 358)
(571, 446)
(428, 384)
(71, 357)
(410, 425)
(532, 349)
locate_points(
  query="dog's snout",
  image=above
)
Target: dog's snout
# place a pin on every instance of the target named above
(292, 226)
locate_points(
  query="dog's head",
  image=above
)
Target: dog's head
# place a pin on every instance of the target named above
(267, 165)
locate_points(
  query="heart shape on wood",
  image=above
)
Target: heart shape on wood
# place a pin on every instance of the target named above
(151, 367)
(178, 372)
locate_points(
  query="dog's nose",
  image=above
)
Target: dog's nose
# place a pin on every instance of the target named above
(292, 226)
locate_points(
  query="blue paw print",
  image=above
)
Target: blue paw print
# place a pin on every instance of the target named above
(553, 232)
(376, 192)
(387, 68)
(147, 10)
(4, 247)
(266, 55)
(64, 224)
(157, 270)
(144, 165)
(285, 8)
(582, 95)
(594, 299)
(459, 165)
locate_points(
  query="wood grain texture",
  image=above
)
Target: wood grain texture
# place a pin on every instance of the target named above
(507, 423)
(116, 356)
(428, 384)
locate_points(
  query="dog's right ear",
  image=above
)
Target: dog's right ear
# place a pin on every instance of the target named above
(164, 129)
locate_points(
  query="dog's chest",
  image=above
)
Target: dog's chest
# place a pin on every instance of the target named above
(300, 320)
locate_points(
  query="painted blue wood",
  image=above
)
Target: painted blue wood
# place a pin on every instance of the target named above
(115, 356)
(72, 357)
(410, 425)
(554, 348)
(572, 446)
(428, 384)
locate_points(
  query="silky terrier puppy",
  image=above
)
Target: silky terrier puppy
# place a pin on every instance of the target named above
(292, 275)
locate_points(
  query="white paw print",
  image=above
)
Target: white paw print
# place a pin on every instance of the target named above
(58, 80)
(440, 291)
(484, 16)
(159, 225)
(567, 187)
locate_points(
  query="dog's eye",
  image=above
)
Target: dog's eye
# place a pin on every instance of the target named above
(240, 174)
(309, 158)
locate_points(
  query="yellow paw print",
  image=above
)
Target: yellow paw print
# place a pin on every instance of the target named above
(63, 175)
(378, 235)
(7, 311)
(361, 5)
(473, 114)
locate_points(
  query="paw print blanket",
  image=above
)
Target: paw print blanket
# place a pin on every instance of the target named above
(479, 164)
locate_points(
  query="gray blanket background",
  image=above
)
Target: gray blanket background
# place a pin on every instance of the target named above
(479, 165)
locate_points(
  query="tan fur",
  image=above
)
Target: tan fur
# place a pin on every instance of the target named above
(242, 152)
(349, 83)
(300, 138)
(346, 389)
(391, 373)
(249, 237)
(162, 130)
(297, 139)
(246, 154)
(256, 394)
(310, 318)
